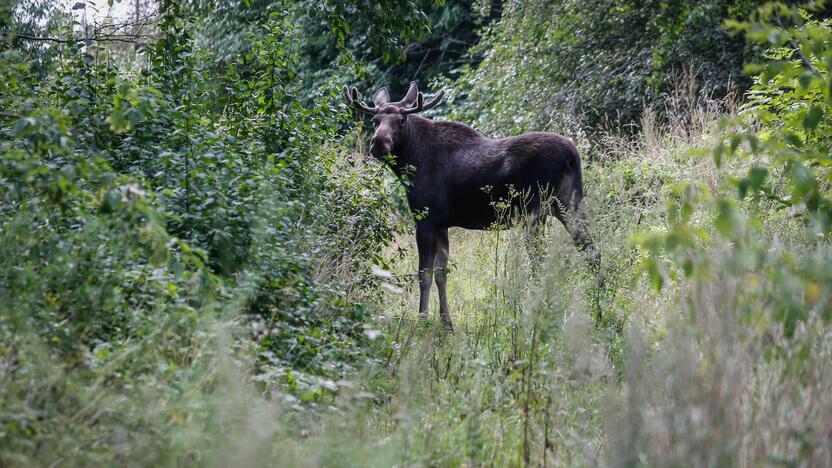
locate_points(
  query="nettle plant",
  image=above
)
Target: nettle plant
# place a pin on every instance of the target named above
(782, 136)
(791, 100)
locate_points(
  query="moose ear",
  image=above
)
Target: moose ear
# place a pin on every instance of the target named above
(381, 97)
(412, 94)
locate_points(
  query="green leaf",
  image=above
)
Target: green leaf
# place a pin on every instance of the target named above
(726, 222)
(803, 179)
(756, 176)
(735, 142)
(793, 140)
(118, 121)
(717, 153)
(805, 79)
(810, 122)
(110, 202)
(654, 274)
(687, 267)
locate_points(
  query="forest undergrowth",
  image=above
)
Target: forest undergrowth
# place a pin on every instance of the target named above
(200, 264)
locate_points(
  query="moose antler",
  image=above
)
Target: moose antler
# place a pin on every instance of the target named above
(420, 103)
(353, 98)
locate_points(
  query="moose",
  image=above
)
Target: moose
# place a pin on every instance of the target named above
(456, 175)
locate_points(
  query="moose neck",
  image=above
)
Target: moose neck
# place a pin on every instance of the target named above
(406, 150)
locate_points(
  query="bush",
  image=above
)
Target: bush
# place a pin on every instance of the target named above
(149, 236)
(598, 63)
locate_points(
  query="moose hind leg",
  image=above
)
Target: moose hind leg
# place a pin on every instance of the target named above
(441, 271)
(426, 244)
(535, 231)
(569, 209)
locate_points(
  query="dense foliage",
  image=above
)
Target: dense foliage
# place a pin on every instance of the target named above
(784, 135)
(599, 63)
(199, 264)
(136, 205)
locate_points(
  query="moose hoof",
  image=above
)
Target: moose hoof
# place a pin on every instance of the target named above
(447, 324)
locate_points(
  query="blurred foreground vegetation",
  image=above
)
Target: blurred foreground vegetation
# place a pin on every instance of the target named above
(200, 264)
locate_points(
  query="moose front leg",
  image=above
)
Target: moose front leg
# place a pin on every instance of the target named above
(441, 268)
(426, 244)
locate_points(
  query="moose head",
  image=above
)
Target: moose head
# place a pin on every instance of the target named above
(390, 118)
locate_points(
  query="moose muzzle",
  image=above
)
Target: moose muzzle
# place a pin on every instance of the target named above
(381, 145)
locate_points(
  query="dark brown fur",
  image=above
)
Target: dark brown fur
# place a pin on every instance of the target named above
(455, 176)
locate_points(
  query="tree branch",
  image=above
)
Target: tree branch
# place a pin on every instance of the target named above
(803, 58)
(124, 38)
